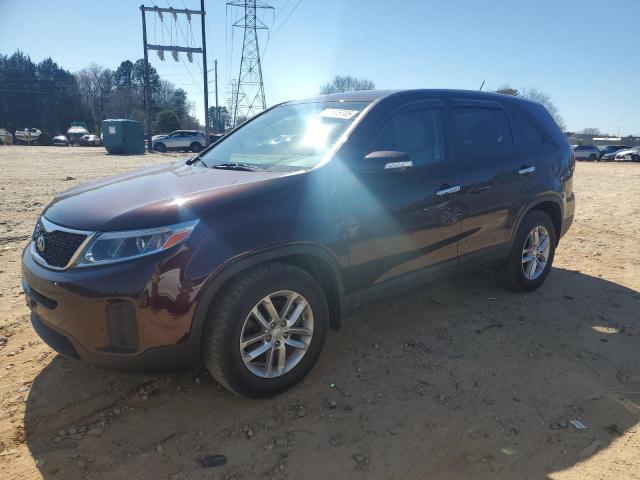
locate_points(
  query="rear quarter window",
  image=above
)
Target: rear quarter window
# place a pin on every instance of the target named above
(481, 133)
(526, 133)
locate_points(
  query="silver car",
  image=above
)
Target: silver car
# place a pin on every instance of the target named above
(587, 152)
(179, 140)
(630, 155)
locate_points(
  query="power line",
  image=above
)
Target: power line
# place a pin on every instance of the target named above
(280, 26)
(285, 20)
(248, 94)
(175, 49)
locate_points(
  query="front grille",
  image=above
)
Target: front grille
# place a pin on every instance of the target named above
(59, 245)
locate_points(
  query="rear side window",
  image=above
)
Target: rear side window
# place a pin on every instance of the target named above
(525, 132)
(481, 132)
(416, 132)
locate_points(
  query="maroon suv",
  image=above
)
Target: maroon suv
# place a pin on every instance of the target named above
(245, 255)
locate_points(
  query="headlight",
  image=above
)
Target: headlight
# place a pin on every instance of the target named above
(111, 247)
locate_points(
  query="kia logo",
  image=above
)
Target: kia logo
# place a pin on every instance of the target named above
(40, 243)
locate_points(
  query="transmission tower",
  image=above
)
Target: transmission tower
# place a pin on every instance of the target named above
(248, 92)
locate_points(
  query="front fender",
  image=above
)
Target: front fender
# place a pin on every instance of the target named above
(246, 261)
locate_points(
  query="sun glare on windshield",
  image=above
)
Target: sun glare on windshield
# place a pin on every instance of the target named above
(286, 138)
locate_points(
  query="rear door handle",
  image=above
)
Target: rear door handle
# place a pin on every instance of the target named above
(448, 190)
(525, 170)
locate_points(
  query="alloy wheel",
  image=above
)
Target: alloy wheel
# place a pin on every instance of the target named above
(535, 253)
(276, 334)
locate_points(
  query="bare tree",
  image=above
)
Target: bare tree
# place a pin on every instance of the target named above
(95, 84)
(346, 83)
(593, 131)
(507, 90)
(536, 95)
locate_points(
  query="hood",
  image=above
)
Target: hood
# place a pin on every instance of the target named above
(162, 195)
(157, 137)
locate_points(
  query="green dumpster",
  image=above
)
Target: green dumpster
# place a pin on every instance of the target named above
(123, 136)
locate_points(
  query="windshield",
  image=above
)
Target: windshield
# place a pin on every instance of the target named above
(286, 138)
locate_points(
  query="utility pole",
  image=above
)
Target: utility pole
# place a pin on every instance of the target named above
(147, 89)
(215, 63)
(206, 82)
(174, 49)
(249, 97)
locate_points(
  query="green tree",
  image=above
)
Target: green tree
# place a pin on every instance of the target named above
(224, 119)
(346, 83)
(43, 96)
(166, 122)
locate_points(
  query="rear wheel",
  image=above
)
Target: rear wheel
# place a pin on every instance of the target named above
(635, 158)
(195, 147)
(532, 253)
(265, 330)
(593, 157)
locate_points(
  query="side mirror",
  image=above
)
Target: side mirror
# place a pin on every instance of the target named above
(387, 161)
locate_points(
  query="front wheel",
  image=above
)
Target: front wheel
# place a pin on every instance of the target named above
(160, 147)
(593, 157)
(265, 330)
(532, 253)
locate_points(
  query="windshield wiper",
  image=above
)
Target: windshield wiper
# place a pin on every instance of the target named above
(243, 167)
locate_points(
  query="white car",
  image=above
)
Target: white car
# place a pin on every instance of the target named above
(90, 140)
(179, 140)
(629, 155)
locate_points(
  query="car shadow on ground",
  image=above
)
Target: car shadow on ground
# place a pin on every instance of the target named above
(455, 380)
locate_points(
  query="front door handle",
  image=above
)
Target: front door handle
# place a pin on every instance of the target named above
(524, 170)
(448, 190)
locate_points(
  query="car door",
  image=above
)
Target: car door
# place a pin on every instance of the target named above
(404, 224)
(495, 177)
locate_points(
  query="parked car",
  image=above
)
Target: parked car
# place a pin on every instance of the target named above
(587, 152)
(76, 132)
(91, 141)
(6, 138)
(244, 256)
(187, 140)
(60, 141)
(608, 153)
(629, 155)
(215, 137)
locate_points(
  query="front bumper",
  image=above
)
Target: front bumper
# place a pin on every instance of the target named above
(134, 316)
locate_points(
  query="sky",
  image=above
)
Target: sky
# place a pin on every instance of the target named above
(584, 53)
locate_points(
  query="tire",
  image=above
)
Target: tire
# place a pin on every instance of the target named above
(160, 147)
(231, 313)
(513, 273)
(593, 157)
(635, 158)
(195, 147)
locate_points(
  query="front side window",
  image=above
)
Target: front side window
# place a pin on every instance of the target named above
(481, 132)
(286, 138)
(418, 133)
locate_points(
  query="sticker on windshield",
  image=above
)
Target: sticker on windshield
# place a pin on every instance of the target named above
(341, 113)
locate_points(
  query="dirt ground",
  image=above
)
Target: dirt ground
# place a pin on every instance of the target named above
(460, 379)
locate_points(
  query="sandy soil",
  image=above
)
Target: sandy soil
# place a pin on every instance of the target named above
(460, 379)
